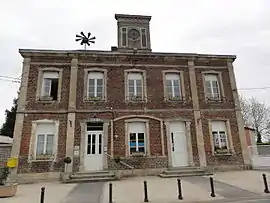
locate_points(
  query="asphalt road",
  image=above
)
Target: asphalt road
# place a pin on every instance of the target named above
(257, 199)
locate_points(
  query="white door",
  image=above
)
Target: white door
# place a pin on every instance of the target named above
(178, 144)
(93, 159)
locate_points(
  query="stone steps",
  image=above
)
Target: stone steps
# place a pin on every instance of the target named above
(184, 172)
(97, 176)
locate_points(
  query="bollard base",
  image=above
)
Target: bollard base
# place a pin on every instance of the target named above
(180, 197)
(212, 195)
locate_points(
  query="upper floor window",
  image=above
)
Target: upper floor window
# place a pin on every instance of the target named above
(50, 83)
(220, 138)
(173, 86)
(212, 87)
(135, 86)
(95, 90)
(143, 32)
(124, 36)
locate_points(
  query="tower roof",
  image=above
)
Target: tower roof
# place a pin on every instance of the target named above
(132, 17)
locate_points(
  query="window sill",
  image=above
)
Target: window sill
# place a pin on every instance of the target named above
(138, 154)
(228, 153)
(135, 101)
(215, 101)
(94, 101)
(175, 100)
(42, 160)
(48, 101)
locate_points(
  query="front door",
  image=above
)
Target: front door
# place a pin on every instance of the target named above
(93, 151)
(178, 145)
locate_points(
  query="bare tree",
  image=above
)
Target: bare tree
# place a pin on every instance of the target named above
(257, 114)
(245, 109)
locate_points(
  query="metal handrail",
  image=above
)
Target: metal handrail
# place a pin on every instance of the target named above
(121, 162)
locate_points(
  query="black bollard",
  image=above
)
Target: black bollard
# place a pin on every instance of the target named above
(179, 189)
(110, 193)
(145, 192)
(266, 189)
(212, 187)
(42, 194)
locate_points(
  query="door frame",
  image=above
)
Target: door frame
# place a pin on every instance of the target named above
(83, 124)
(188, 140)
(174, 134)
(86, 143)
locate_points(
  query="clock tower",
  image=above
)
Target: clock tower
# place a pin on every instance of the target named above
(133, 32)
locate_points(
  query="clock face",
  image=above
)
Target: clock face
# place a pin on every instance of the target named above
(133, 34)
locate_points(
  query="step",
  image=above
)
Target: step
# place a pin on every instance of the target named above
(93, 179)
(95, 172)
(185, 168)
(183, 171)
(91, 175)
(163, 175)
(94, 176)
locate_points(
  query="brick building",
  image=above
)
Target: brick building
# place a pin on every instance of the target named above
(154, 110)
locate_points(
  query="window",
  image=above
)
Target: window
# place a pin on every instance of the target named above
(135, 86)
(95, 86)
(45, 144)
(172, 85)
(212, 87)
(124, 36)
(219, 134)
(143, 30)
(50, 84)
(136, 137)
(45, 140)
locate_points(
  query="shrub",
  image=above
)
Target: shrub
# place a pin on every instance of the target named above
(4, 172)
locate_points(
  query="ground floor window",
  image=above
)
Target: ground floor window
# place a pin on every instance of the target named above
(137, 137)
(136, 142)
(45, 144)
(220, 139)
(45, 140)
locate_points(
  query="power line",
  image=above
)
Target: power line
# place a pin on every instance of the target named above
(8, 77)
(254, 88)
(9, 80)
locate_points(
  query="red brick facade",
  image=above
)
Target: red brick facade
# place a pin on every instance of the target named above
(155, 106)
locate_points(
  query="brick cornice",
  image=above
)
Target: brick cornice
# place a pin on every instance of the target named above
(80, 54)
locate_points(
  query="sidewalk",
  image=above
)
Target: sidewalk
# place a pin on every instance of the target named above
(228, 185)
(30, 193)
(159, 191)
(249, 180)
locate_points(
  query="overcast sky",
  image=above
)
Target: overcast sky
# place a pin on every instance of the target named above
(240, 27)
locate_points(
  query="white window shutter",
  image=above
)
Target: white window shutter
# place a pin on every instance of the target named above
(172, 76)
(51, 75)
(96, 75)
(134, 76)
(218, 126)
(137, 127)
(211, 77)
